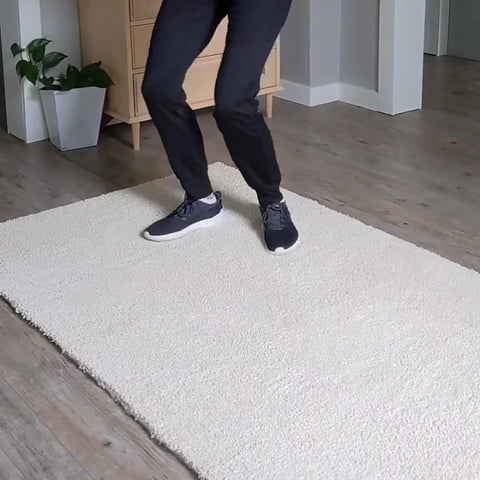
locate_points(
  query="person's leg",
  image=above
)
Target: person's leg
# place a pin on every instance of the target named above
(253, 28)
(182, 30)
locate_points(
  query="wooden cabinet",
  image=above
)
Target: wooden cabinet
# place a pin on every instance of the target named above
(118, 32)
(144, 9)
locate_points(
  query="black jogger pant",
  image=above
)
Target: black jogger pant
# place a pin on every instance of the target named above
(182, 30)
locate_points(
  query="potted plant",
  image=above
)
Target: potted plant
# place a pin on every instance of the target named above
(72, 101)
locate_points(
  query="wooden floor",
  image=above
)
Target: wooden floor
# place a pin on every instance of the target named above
(416, 176)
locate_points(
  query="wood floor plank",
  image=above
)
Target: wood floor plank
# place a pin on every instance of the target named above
(452, 85)
(19, 181)
(56, 171)
(115, 160)
(39, 175)
(95, 430)
(34, 450)
(13, 206)
(8, 469)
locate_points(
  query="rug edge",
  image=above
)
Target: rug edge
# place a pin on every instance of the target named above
(114, 395)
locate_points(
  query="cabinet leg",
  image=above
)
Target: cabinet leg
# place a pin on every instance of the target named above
(269, 105)
(136, 135)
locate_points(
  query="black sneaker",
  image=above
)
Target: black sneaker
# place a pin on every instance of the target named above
(281, 236)
(190, 215)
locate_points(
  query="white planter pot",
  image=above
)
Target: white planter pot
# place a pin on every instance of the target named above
(73, 117)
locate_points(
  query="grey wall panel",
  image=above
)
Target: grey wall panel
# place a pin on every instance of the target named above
(359, 43)
(325, 40)
(295, 40)
(464, 36)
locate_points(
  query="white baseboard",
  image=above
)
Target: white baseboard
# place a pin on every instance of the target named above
(309, 96)
(295, 92)
(362, 97)
(324, 94)
(312, 96)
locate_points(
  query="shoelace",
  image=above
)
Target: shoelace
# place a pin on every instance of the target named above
(274, 217)
(182, 210)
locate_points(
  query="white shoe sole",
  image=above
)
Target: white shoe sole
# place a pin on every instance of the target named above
(283, 251)
(209, 222)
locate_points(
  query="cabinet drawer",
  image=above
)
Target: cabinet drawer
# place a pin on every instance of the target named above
(141, 36)
(199, 84)
(217, 44)
(144, 9)
(269, 75)
(200, 80)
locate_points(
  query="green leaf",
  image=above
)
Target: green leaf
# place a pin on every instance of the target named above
(31, 72)
(71, 79)
(20, 67)
(36, 48)
(94, 76)
(38, 53)
(38, 42)
(52, 59)
(16, 49)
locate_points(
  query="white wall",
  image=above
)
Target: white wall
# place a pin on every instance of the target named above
(365, 52)
(342, 52)
(310, 42)
(295, 44)
(60, 24)
(464, 40)
(359, 43)
(325, 22)
(21, 21)
(437, 26)
(401, 44)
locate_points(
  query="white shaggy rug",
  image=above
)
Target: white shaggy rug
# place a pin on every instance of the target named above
(356, 357)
